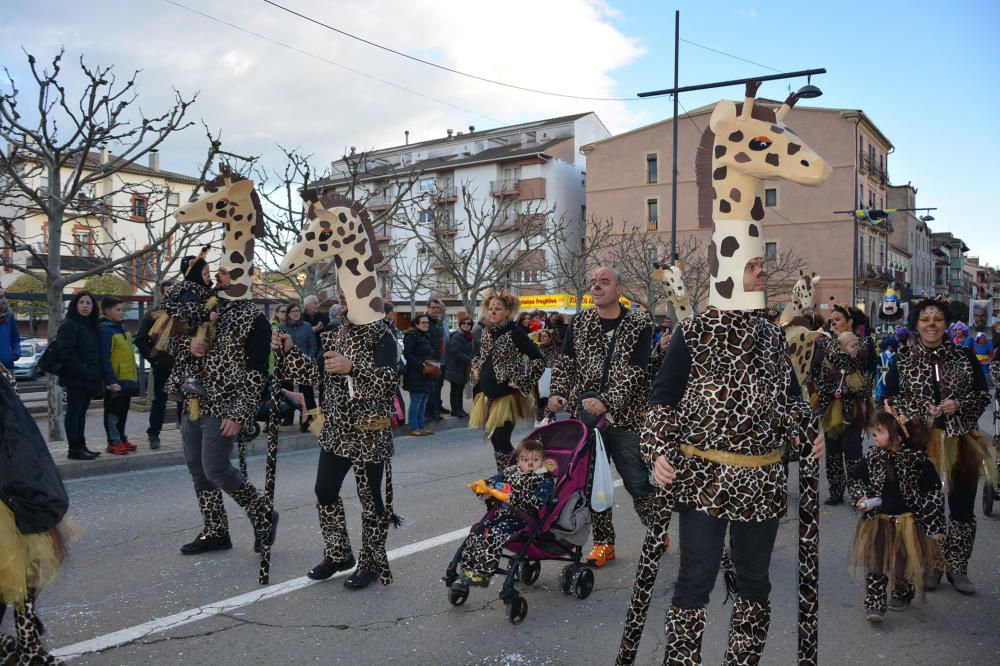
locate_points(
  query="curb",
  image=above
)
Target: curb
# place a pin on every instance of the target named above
(146, 459)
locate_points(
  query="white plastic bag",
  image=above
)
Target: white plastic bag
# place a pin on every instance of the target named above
(602, 494)
(545, 383)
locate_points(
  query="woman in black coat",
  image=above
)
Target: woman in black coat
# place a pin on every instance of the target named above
(79, 349)
(417, 349)
(457, 362)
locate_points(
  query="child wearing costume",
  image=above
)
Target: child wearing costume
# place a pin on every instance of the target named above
(33, 528)
(527, 486)
(899, 494)
(189, 304)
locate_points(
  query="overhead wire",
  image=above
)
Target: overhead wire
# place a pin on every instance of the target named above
(445, 68)
(330, 62)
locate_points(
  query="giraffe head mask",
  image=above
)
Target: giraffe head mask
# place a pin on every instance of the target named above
(340, 229)
(744, 145)
(229, 199)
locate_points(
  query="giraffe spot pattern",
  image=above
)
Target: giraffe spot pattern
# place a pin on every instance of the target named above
(713, 260)
(236, 257)
(350, 239)
(725, 288)
(757, 212)
(753, 231)
(777, 130)
(352, 265)
(741, 157)
(772, 159)
(804, 163)
(720, 173)
(793, 148)
(724, 206)
(720, 150)
(366, 287)
(735, 195)
(736, 136)
(729, 246)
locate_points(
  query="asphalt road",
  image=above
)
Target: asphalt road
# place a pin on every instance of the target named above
(126, 572)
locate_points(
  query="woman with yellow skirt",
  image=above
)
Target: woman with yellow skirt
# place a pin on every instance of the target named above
(941, 382)
(507, 368)
(32, 530)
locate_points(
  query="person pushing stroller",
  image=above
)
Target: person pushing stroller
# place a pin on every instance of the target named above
(520, 488)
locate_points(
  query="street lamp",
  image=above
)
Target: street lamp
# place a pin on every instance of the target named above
(926, 218)
(808, 91)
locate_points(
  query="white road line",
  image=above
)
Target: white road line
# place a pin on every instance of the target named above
(169, 622)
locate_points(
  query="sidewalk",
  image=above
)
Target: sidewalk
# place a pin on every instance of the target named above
(171, 451)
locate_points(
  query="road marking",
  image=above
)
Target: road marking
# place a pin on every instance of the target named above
(159, 625)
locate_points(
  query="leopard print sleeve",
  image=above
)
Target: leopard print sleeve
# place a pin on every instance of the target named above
(186, 302)
(859, 481)
(930, 503)
(298, 367)
(658, 436)
(563, 376)
(243, 408)
(377, 383)
(527, 377)
(974, 402)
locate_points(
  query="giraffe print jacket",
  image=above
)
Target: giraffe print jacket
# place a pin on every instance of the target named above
(829, 361)
(186, 302)
(627, 393)
(727, 385)
(911, 379)
(502, 347)
(234, 370)
(356, 406)
(528, 490)
(918, 483)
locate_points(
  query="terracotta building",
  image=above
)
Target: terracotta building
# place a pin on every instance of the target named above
(628, 178)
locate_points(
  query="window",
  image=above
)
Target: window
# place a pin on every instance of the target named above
(861, 195)
(428, 184)
(652, 169)
(43, 186)
(426, 216)
(83, 243)
(173, 199)
(871, 200)
(770, 197)
(138, 208)
(770, 252)
(652, 214)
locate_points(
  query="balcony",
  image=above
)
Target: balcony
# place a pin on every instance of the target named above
(68, 262)
(446, 194)
(379, 202)
(445, 225)
(505, 188)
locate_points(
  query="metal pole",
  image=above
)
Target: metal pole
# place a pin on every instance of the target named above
(673, 184)
(734, 82)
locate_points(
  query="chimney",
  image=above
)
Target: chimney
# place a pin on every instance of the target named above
(154, 159)
(450, 133)
(472, 128)
(407, 133)
(104, 153)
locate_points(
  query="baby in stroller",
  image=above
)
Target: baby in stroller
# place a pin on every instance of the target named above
(520, 488)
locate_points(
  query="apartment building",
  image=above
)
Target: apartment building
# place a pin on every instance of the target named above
(111, 218)
(950, 278)
(533, 166)
(629, 178)
(911, 261)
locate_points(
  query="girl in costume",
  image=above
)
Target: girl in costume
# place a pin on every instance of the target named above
(899, 494)
(34, 529)
(936, 379)
(843, 384)
(523, 487)
(505, 380)
(186, 306)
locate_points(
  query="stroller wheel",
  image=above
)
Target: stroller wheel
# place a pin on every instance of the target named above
(583, 582)
(250, 432)
(517, 610)
(566, 577)
(458, 597)
(989, 495)
(530, 570)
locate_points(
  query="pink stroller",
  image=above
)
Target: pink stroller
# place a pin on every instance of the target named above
(558, 533)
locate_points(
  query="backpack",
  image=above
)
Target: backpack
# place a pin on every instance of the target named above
(145, 345)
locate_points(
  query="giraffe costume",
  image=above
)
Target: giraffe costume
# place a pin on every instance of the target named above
(356, 434)
(234, 372)
(725, 403)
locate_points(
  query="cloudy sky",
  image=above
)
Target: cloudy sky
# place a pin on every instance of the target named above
(924, 71)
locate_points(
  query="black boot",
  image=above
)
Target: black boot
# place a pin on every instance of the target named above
(215, 533)
(77, 450)
(337, 554)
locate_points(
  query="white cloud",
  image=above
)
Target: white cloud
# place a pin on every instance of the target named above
(261, 94)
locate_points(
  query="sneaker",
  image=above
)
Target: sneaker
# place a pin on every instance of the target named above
(896, 604)
(130, 446)
(360, 579)
(874, 616)
(117, 449)
(154, 442)
(475, 581)
(961, 583)
(328, 567)
(600, 555)
(204, 544)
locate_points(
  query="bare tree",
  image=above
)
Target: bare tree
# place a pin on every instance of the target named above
(635, 253)
(407, 274)
(576, 252)
(496, 239)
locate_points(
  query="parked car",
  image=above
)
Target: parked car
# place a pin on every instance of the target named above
(26, 367)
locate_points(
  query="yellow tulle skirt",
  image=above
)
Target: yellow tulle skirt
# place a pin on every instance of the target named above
(30, 561)
(491, 414)
(962, 460)
(894, 546)
(835, 421)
